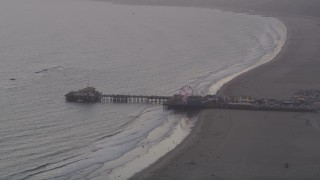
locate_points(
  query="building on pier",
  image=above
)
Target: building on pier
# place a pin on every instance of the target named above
(86, 95)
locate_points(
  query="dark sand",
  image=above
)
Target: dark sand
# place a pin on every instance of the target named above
(256, 145)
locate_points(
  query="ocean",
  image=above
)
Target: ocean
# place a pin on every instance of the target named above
(50, 47)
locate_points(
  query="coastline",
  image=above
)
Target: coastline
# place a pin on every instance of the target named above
(156, 152)
(267, 58)
(203, 151)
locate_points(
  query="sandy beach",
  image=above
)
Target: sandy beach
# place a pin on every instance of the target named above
(229, 144)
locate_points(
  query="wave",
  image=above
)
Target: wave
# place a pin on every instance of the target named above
(271, 44)
(109, 150)
(45, 70)
(109, 135)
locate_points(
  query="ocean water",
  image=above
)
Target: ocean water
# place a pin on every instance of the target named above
(50, 47)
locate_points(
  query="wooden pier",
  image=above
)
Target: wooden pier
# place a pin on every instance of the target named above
(303, 101)
(117, 98)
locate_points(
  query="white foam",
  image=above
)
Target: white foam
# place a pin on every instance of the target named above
(279, 35)
(153, 153)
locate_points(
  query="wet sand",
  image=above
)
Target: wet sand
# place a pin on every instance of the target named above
(228, 144)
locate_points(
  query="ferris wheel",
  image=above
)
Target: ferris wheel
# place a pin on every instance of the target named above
(185, 92)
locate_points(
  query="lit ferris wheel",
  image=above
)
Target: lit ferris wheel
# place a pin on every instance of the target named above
(185, 92)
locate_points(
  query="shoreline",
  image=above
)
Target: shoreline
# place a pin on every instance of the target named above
(268, 57)
(233, 87)
(155, 152)
(225, 88)
(278, 45)
(187, 142)
(202, 121)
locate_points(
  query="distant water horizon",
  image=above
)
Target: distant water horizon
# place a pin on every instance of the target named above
(50, 47)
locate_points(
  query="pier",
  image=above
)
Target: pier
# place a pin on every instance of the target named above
(91, 95)
(301, 101)
(133, 99)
